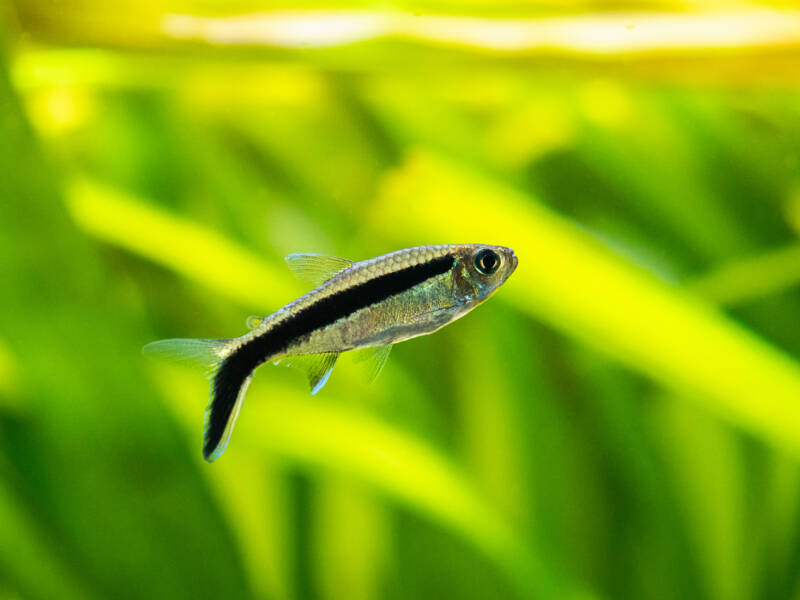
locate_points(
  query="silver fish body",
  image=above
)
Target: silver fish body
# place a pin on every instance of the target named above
(369, 304)
(421, 309)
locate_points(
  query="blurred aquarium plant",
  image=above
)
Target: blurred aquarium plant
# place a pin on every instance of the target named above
(623, 421)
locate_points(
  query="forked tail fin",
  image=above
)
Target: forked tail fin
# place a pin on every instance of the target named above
(228, 379)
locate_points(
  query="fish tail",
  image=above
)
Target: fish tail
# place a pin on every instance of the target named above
(229, 383)
(229, 376)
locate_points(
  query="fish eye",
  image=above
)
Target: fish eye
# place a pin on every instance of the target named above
(486, 261)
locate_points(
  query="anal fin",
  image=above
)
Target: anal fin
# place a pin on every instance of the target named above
(317, 367)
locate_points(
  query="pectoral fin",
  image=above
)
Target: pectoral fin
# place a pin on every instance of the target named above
(315, 269)
(373, 359)
(317, 367)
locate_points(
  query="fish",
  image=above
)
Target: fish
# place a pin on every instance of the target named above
(366, 306)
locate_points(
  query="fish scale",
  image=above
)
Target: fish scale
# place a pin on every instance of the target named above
(368, 305)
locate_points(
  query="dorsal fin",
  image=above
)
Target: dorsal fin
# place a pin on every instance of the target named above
(316, 269)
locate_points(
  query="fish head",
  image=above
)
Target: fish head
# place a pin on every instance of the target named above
(480, 269)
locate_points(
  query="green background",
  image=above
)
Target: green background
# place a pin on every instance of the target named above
(621, 420)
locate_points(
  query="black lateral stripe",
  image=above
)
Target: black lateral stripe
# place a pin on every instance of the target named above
(330, 309)
(236, 367)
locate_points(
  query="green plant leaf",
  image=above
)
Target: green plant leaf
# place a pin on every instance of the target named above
(572, 282)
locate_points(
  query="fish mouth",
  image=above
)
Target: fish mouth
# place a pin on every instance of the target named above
(514, 261)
